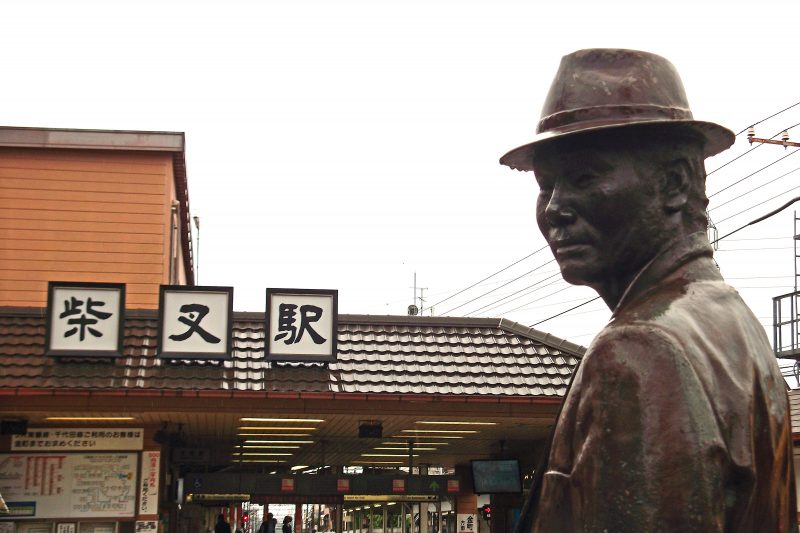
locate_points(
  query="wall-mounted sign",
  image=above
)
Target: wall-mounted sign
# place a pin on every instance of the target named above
(195, 322)
(70, 485)
(146, 526)
(148, 482)
(85, 319)
(78, 439)
(398, 485)
(465, 523)
(66, 527)
(287, 485)
(301, 325)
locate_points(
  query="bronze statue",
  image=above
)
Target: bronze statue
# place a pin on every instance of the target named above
(677, 418)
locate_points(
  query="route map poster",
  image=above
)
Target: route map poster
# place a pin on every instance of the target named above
(69, 485)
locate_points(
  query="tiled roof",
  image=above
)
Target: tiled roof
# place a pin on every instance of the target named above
(376, 355)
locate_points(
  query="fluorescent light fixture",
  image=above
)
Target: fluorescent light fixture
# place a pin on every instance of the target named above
(260, 461)
(453, 423)
(405, 443)
(438, 431)
(263, 453)
(387, 455)
(274, 428)
(427, 436)
(273, 434)
(392, 503)
(248, 419)
(378, 462)
(272, 446)
(90, 418)
(279, 442)
(298, 467)
(406, 448)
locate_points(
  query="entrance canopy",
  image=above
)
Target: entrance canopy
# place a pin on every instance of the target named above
(436, 391)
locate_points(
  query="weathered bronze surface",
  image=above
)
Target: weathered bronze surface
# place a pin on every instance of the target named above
(677, 419)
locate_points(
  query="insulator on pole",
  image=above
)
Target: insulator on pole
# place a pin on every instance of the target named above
(785, 136)
(751, 132)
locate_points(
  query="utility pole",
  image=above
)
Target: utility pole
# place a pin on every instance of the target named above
(751, 138)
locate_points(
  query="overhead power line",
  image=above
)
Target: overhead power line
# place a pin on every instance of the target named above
(489, 276)
(769, 117)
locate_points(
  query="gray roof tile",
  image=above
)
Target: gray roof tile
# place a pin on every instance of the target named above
(392, 355)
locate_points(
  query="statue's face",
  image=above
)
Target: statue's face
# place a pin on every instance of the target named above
(600, 211)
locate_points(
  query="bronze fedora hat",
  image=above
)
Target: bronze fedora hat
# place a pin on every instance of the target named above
(603, 88)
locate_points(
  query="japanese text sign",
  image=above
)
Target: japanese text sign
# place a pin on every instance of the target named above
(466, 523)
(301, 325)
(195, 322)
(74, 439)
(85, 319)
(148, 482)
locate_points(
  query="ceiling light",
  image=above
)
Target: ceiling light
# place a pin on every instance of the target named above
(260, 461)
(406, 449)
(273, 434)
(261, 428)
(90, 418)
(298, 467)
(279, 442)
(427, 436)
(405, 443)
(387, 455)
(378, 462)
(246, 419)
(262, 453)
(271, 446)
(438, 431)
(450, 423)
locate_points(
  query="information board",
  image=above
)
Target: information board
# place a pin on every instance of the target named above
(97, 485)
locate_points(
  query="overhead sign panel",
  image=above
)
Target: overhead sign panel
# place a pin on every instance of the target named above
(301, 325)
(195, 322)
(84, 319)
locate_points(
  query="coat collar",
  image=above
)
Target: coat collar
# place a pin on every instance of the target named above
(673, 256)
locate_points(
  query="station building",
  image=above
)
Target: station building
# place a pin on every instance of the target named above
(381, 438)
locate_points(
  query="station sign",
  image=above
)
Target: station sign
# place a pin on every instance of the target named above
(195, 322)
(84, 319)
(301, 325)
(390, 498)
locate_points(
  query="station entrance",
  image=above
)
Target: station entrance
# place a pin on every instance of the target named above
(356, 514)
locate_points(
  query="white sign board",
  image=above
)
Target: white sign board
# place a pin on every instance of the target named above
(148, 526)
(66, 527)
(85, 319)
(195, 322)
(301, 325)
(148, 483)
(466, 523)
(98, 485)
(78, 439)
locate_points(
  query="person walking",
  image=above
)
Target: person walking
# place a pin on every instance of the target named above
(222, 526)
(287, 524)
(268, 525)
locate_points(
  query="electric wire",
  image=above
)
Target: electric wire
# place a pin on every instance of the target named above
(512, 294)
(754, 189)
(769, 117)
(490, 276)
(501, 286)
(758, 204)
(759, 145)
(754, 173)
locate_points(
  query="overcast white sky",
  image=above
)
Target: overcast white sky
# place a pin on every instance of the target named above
(349, 144)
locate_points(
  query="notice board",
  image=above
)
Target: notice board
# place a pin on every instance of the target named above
(69, 485)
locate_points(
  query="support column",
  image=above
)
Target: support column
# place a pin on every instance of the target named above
(467, 513)
(298, 518)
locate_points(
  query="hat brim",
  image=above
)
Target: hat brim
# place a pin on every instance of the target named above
(717, 139)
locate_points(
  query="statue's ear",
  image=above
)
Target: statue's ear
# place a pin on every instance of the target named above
(676, 183)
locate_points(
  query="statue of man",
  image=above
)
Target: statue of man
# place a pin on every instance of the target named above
(677, 418)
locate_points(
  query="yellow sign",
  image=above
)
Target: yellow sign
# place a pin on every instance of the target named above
(390, 498)
(217, 497)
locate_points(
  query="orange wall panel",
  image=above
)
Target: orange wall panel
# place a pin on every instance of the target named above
(84, 215)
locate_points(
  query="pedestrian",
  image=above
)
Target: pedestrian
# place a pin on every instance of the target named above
(268, 525)
(222, 526)
(287, 524)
